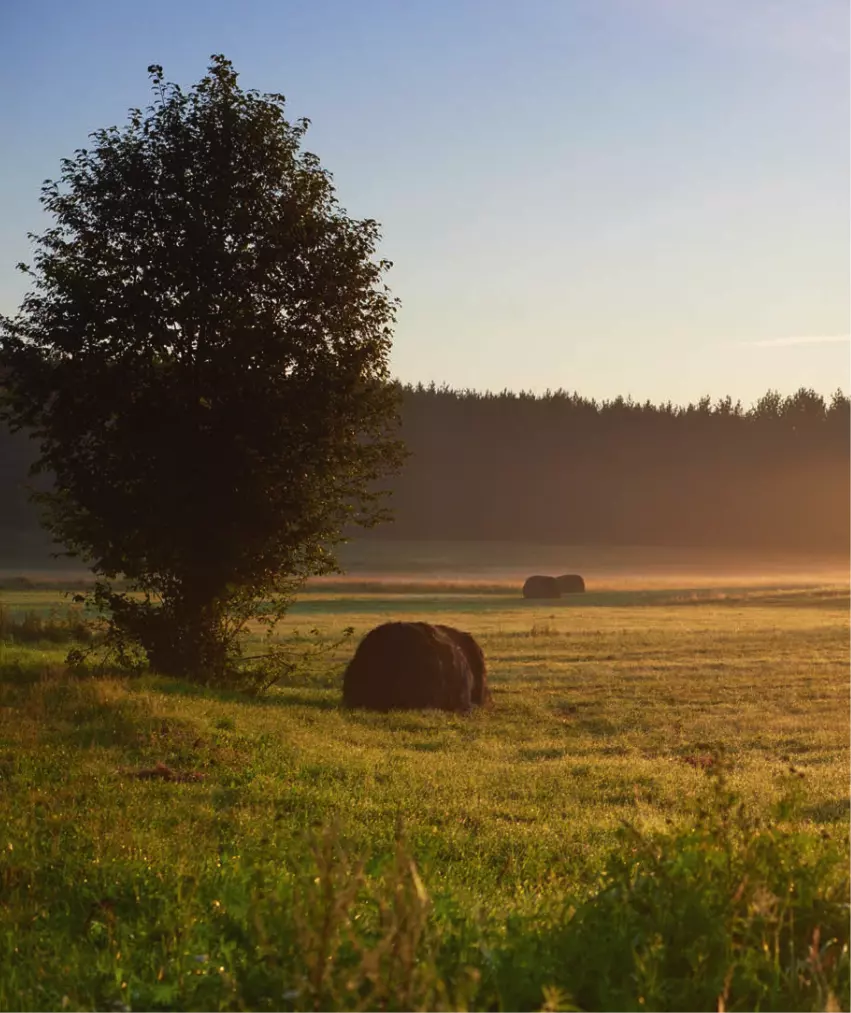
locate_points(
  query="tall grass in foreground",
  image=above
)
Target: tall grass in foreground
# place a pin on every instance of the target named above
(611, 834)
(723, 912)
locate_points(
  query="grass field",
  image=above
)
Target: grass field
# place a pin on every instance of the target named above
(292, 855)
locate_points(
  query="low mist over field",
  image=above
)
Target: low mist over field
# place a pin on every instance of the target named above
(606, 568)
(398, 565)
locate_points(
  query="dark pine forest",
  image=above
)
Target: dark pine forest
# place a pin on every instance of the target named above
(561, 468)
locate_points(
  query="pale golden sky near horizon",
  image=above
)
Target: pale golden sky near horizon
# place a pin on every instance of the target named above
(612, 196)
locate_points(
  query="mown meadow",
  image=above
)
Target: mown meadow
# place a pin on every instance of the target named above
(653, 814)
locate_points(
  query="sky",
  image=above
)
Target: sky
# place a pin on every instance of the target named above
(645, 197)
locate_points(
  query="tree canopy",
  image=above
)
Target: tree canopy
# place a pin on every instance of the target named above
(203, 361)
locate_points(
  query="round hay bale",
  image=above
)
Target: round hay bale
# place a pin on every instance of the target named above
(408, 666)
(479, 694)
(541, 587)
(571, 583)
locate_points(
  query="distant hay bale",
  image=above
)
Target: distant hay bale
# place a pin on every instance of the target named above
(571, 583)
(413, 666)
(479, 694)
(538, 586)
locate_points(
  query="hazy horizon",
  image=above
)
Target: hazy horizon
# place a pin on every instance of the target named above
(614, 197)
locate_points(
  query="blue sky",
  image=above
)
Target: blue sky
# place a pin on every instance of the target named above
(612, 196)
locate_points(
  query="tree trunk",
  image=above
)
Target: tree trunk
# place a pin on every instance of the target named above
(187, 640)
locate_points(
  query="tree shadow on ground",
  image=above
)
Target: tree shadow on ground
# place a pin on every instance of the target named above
(322, 698)
(834, 810)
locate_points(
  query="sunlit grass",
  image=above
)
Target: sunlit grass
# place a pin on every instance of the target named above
(608, 708)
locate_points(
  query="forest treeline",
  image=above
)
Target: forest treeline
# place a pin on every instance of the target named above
(561, 468)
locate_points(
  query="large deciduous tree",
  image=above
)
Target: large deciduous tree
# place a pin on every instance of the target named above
(203, 360)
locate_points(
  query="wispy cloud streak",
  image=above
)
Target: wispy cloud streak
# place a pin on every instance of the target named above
(807, 339)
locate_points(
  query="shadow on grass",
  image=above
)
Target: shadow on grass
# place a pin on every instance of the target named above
(70, 709)
(27, 672)
(835, 810)
(30, 664)
(112, 724)
(32, 669)
(543, 753)
(321, 698)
